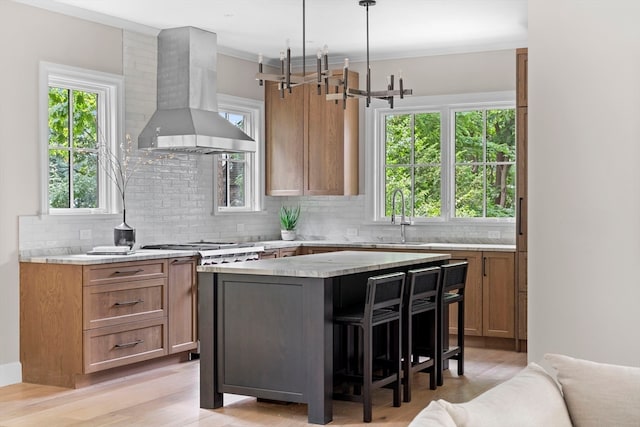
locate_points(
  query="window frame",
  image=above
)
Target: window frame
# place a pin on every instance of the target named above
(110, 89)
(254, 110)
(446, 105)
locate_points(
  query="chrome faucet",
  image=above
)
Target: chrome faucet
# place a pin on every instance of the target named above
(403, 219)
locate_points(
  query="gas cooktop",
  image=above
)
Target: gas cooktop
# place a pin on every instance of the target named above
(215, 252)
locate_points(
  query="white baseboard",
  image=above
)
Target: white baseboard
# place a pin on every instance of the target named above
(10, 373)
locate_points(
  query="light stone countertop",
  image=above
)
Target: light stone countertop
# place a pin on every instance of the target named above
(276, 244)
(84, 259)
(144, 254)
(325, 265)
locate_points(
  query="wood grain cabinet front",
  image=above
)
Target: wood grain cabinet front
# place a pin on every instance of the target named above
(183, 304)
(123, 344)
(522, 192)
(116, 303)
(311, 143)
(78, 320)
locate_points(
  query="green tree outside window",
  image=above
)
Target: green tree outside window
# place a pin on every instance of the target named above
(73, 148)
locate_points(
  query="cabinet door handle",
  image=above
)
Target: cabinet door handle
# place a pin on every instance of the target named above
(127, 272)
(129, 344)
(181, 261)
(520, 200)
(126, 303)
(484, 266)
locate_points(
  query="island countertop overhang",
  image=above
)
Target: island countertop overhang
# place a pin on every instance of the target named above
(325, 265)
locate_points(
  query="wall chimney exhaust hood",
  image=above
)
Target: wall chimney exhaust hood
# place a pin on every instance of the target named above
(187, 116)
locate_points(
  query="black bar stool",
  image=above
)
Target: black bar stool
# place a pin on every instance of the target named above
(382, 308)
(453, 278)
(420, 326)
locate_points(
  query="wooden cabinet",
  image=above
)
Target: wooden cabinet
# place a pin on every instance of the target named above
(280, 253)
(78, 320)
(490, 307)
(284, 144)
(472, 295)
(307, 250)
(285, 252)
(311, 143)
(522, 77)
(489, 294)
(498, 294)
(183, 304)
(522, 102)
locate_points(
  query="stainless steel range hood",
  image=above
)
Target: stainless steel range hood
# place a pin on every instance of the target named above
(187, 117)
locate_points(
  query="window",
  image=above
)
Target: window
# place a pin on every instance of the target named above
(485, 163)
(453, 157)
(413, 161)
(237, 175)
(80, 113)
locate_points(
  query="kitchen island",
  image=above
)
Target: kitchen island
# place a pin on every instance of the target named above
(266, 327)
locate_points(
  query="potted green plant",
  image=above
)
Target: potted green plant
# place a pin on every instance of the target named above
(288, 220)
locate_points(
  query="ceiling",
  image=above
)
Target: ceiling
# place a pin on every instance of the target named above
(398, 28)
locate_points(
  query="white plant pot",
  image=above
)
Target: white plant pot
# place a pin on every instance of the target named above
(288, 234)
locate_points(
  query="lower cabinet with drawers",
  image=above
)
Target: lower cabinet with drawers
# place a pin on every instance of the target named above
(78, 322)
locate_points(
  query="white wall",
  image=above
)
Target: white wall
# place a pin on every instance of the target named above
(584, 210)
(28, 35)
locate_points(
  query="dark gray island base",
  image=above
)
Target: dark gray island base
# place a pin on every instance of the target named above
(266, 327)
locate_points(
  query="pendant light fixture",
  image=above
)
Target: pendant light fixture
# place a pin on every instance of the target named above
(388, 95)
(285, 79)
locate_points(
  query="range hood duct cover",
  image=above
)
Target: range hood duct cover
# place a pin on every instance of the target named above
(187, 117)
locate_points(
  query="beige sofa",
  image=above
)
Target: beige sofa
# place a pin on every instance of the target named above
(586, 394)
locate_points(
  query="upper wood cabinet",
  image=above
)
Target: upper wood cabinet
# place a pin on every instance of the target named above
(522, 94)
(311, 143)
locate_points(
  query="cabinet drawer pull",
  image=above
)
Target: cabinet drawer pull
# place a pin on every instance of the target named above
(129, 344)
(181, 261)
(127, 272)
(127, 303)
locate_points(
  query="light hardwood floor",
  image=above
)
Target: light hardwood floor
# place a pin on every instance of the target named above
(169, 396)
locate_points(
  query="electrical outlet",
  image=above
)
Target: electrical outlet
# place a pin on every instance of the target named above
(85, 234)
(239, 227)
(352, 232)
(494, 234)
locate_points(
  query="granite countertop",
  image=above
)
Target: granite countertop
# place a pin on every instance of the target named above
(324, 265)
(84, 259)
(144, 254)
(276, 244)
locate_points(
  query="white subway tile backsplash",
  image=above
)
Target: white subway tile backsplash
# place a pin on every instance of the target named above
(172, 199)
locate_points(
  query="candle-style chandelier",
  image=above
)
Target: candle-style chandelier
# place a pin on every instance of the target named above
(286, 80)
(390, 93)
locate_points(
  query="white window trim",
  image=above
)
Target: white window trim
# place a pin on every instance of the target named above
(255, 109)
(111, 86)
(375, 155)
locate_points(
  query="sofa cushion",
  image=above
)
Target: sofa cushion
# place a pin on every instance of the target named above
(530, 398)
(434, 415)
(598, 394)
